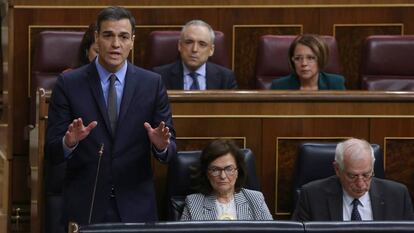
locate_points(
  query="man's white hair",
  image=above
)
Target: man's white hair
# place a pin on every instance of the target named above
(352, 147)
(197, 22)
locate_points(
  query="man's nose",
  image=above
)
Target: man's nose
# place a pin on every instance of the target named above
(195, 47)
(115, 42)
(360, 182)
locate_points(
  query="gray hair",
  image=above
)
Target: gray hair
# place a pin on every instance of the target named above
(197, 22)
(354, 147)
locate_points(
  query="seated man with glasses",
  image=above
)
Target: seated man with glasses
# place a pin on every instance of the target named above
(219, 179)
(308, 55)
(353, 194)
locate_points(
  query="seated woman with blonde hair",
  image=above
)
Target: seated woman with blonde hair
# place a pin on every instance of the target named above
(308, 55)
(219, 179)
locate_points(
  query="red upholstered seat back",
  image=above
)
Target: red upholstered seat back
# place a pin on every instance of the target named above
(164, 48)
(387, 63)
(54, 51)
(273, 62)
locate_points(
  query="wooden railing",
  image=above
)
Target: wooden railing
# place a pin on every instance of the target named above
(272, 124)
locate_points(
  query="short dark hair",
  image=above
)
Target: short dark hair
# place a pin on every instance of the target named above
(316, 44)
(215, 149)
(115, 13)
(87, 40)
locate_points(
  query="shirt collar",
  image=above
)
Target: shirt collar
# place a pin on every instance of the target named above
(201, 71)
(364, 199)
(104, 74)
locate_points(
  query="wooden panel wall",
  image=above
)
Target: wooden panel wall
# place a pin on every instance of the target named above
(274, 127)
(242, 27)
(198, 3)
(273, 124)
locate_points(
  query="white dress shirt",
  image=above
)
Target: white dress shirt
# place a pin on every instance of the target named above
(201, 77)
(364, 209)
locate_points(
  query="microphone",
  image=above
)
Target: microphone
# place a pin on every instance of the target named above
(100, 153)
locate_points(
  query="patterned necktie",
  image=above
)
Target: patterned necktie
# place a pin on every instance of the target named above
(112, 104)
(194, 85)
(355, 216)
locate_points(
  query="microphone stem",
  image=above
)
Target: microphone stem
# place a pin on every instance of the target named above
(100, 153)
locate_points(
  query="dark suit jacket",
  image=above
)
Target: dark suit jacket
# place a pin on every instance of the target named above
(217, 77)
(321, 200)
(126, 161)
(326, 82)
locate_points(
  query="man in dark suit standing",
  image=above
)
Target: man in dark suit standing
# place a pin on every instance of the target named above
(353, 194)
(113, 103)
(193, 71)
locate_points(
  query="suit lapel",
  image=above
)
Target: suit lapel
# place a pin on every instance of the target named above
(335, 202)
(177, 76)
(209, 207)
(212, 78)
(242, 207)
(294, 82)
(377, 202)
(322, 84)
(335, 207)
(131, 82)
(96, 89)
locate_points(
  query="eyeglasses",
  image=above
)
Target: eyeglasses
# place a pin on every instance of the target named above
(216, 171)
(308, 59)
(365, 177)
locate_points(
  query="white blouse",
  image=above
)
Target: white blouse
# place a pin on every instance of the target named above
(226, 211)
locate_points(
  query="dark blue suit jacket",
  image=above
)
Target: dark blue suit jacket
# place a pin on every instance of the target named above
(217, 77)
(126, 161)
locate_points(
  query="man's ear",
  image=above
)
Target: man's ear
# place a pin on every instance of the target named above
(96, 36)
(179, 46)
(133, 39)
(211, 50)
(336, 168)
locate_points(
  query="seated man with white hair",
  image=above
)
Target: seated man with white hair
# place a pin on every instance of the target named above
(353, 194)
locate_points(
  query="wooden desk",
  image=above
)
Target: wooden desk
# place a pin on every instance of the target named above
(272, 124)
